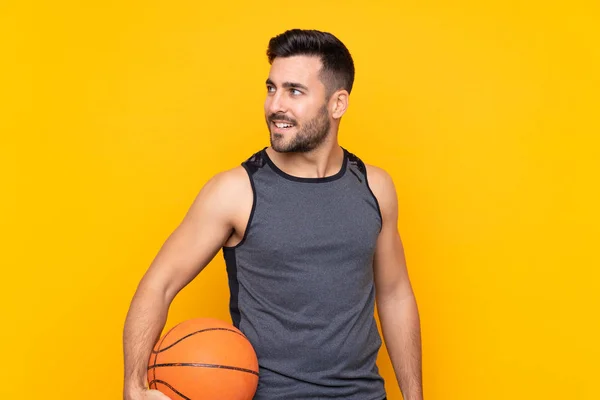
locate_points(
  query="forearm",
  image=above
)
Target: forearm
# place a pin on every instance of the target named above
(145, 320)
(402, 334)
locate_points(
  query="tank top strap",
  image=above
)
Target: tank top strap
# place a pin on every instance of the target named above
(357, 166)
(255, 162)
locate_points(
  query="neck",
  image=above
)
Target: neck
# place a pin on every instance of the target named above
(324, 161)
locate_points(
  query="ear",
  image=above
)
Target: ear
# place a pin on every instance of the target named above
(339, 103)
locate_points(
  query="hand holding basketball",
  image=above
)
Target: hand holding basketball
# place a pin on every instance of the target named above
(149, 394)
(203, 359)
(154, 395)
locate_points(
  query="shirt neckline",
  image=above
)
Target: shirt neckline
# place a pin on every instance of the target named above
(293, 178)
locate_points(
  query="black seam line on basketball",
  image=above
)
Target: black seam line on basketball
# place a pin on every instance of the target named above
(205, 366)
(195, 333)
(155, 381)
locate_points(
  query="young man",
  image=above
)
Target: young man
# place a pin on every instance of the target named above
(310, 244)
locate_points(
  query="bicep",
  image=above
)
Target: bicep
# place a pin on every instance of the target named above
(391, 275)
(193, 244)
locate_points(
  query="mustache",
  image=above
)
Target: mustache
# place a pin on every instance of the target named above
(281, 117)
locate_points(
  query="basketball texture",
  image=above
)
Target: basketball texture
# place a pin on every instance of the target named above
(202, 359)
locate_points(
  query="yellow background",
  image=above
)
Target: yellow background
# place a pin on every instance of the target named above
(114, 114)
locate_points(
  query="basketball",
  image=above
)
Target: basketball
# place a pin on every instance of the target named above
(204, 359)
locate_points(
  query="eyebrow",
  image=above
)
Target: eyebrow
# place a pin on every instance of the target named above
(288, 85)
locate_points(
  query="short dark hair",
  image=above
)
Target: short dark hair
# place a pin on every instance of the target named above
(338, 66)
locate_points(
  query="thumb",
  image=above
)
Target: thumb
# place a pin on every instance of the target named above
(157, 395)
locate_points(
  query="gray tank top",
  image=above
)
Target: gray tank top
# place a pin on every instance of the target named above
(301, 283)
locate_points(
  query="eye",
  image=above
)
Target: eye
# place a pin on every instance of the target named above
(270, 89)
(295, 92)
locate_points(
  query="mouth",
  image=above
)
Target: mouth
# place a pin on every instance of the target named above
(281, 126)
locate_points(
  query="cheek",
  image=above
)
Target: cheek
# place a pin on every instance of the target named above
(301, 110)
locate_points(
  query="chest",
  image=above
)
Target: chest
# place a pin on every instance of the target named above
(299, 225)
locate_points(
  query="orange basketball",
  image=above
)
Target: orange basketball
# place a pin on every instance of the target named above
(204, 359)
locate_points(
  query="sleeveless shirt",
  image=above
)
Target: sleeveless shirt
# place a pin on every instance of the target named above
(301, 283)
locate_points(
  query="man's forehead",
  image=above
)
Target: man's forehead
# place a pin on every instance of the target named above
(302, 67)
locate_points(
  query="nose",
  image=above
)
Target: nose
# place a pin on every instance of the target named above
(275, 103)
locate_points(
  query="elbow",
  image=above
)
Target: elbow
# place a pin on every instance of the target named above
(394, 304)
(395, 295)
(155, 290)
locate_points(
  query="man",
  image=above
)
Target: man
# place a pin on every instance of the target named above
(310, 244)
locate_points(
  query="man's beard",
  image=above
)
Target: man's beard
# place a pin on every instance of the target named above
(309, 137)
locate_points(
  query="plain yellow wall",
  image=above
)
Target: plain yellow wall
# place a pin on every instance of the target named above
(114, 114)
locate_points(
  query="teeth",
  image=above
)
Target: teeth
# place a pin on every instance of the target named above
(282, 125)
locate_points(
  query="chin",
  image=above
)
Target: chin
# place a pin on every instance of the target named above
(279, 148)
(278, 143)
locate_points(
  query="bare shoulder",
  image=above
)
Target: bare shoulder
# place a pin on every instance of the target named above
(384, 190)
(380, 182)
(225, 192)
(229, 182)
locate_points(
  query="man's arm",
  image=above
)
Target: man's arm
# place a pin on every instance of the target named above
(205, 228)
(396, 302)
